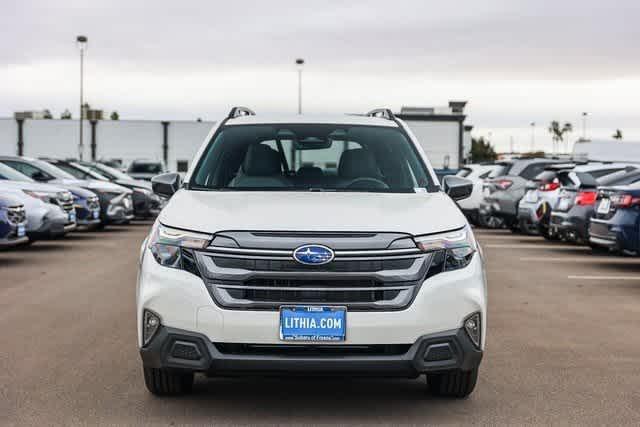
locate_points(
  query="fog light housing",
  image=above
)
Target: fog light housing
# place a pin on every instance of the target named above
(473, 328)
(150, 325)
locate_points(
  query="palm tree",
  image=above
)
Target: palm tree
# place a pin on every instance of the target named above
(557, 133)
(617, 135)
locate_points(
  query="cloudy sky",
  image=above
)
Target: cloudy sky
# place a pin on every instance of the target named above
(515, 61)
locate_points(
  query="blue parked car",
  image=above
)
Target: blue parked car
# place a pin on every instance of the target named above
(13, 220)
(616, 222)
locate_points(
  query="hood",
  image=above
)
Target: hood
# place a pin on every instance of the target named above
(93, 184)
(19, 197)
(33, 186)
(9, 199)
(214, 211)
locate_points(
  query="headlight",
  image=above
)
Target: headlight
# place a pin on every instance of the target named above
(42, 195)
(454, 248)
(168, 246)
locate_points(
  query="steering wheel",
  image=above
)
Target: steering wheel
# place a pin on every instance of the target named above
(367, 183)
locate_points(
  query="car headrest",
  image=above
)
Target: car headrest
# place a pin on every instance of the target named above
(311, 172)
(358, 163)
(261, 160)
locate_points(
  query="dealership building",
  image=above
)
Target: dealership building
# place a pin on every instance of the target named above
(441, 130)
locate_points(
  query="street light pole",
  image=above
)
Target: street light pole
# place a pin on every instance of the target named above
(533, 136)
(82, 44)
(584, 125)
(299, 63)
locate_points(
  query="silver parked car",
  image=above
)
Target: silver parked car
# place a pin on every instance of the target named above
(50, 209)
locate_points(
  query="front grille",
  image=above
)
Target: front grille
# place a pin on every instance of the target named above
(16, 214)
(385, 277)
(304, 350)
(291, 265)
(93, 203)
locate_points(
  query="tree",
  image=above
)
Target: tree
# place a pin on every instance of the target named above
(557, 132)
(617, 135)
(46, 114)
(115, 116)
(66, 115)
(482, 151)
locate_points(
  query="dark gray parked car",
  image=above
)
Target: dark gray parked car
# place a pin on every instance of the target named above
(503, 193)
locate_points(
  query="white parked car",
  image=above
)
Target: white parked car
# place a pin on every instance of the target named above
(311, 245)
(476, 173)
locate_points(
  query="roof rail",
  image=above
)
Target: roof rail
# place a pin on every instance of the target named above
(384, 113)
(240, 111)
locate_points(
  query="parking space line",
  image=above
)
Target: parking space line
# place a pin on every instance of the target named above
(587, 259)
(604, 277)
(542, 246)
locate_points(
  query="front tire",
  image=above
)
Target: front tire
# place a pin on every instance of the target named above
(455, 383)
(162, 382)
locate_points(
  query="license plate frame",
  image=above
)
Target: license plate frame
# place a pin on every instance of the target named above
(310, 329)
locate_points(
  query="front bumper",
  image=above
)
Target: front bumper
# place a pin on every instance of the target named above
(13, 241)
(188, 351)
(186, 309)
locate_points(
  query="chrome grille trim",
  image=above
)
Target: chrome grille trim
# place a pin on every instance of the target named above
(289, 253)
(16, 215)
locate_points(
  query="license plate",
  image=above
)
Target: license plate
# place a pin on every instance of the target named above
(21, 230)
(72, 217)
(313, 323)
(604, 206)
(563, 205)
(96, 214)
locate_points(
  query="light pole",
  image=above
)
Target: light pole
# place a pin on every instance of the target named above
(533, 136)
(299, 64)
(584, 125)
(81, 41)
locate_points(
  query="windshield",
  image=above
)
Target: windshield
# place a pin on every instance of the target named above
(56, 172)
(145, 168)
(311, 157)
(88, 171)
(10, 174)
(108, 171)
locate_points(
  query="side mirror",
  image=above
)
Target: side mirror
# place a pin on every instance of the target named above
(166, 185)
(457, 188)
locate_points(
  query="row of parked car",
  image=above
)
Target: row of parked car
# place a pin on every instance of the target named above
(593, 203)
(47, 198)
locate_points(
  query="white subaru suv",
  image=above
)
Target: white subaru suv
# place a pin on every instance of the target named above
(313, 246)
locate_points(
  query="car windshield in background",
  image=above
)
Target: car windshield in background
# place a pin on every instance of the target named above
(145, 168)
(108, 171)
(308, 157)
(54, 171)
(10, 174)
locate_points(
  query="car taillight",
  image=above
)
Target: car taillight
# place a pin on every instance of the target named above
(624, 200)
(503, 183)
(586, 198)
(550, 186)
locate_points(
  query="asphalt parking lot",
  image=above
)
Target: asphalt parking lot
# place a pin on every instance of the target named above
(563, 346)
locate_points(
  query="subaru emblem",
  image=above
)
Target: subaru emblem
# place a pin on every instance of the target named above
(313, 254)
